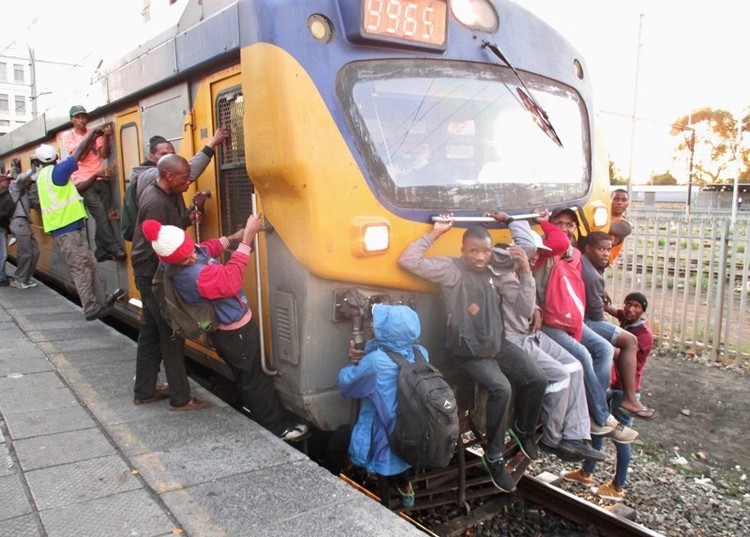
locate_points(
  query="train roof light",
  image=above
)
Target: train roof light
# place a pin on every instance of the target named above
(377, 238)
(601, 215)
(476, 14)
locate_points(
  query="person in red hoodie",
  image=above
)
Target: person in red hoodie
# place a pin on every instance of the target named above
(237, 339)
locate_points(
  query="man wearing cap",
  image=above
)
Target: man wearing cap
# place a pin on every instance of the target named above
(631, 317)
(64, 217)
(92, 181)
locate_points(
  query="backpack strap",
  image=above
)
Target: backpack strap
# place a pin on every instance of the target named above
(396, 357)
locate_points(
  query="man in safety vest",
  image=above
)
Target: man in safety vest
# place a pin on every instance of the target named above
(64, 217)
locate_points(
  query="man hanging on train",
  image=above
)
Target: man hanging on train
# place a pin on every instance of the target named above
(64, 217)
(92, 181)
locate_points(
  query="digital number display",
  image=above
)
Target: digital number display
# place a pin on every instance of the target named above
(411, 21)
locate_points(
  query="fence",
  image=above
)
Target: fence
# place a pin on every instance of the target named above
(695, 272)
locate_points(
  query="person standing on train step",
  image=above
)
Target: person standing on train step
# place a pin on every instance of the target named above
(202, 279)
(27, 249)
(161, 201)
(92, 181)
(632, 318)
(593, 264)
(619, 228)
(146, 173)
(372, 377)
(64, 217)
(475, 336)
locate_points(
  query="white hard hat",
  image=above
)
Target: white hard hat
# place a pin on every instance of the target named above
(46, 154)
(539, 242)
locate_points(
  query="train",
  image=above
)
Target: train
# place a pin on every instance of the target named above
(353, 123)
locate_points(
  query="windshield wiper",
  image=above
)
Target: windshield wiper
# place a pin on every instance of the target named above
(527, 100)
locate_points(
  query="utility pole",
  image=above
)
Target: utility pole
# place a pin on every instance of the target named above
(635, 105)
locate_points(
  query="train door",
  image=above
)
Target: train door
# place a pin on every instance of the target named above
(235, 188)
(127, 128)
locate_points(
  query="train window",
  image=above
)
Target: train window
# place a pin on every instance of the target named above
(129, 149)
(235, 187)
(451, 135)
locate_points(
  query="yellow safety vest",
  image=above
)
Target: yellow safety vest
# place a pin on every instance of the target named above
(61, 205)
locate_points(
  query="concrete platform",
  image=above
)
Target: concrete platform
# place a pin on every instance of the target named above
(77, 458)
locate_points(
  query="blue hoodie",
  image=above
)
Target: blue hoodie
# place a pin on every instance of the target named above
(374, 381)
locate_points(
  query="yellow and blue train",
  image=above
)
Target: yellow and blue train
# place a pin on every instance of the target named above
(353, 123)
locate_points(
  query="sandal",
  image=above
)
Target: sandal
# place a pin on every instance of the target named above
(644, 413)
(406, 497)
(193, 404)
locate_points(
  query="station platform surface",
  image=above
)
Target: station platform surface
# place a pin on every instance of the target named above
(78, 458)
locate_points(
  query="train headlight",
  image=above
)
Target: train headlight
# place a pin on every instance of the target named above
(601, 215)
(476, 14)
(371, 235)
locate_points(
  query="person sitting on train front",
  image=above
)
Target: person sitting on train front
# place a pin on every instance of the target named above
(632, 318)
(561, 295)
(564, 411)
(476, 339)
(372, 376)
(236, 339)
(594, 261)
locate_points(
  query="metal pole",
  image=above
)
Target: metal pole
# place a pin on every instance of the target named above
(690, 171)
(635, 106)
(735, 182)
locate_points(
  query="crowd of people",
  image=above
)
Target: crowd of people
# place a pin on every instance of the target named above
(525, 321)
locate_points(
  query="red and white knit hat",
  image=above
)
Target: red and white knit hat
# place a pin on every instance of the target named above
(170, 243)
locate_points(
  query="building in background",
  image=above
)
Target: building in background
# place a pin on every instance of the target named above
(16, 87)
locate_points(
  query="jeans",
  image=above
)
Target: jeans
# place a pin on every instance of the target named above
(623, 450)
(97, 199)
(605, 329)
(3, 252)
(240, 349)
(595, 355)
(157, 343)
(512, 372)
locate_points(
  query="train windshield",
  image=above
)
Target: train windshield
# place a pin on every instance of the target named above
(456, 135)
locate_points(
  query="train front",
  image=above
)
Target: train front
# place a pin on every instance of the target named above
(363, 119)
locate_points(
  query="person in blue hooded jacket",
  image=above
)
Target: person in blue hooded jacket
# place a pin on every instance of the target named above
(373, 378)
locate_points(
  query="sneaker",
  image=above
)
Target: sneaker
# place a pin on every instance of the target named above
(498, 474)
(526, 443)
(406, 497)
(581, 449)
(578, 476)
(111, 299)
(31, 283)
(609, 491)
(563, 455)
(158, 395)
(193, 404)
(20, 285)
(601, 430)
(294, 432)
(620, 433)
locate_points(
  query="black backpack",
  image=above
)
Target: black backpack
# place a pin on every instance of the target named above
(7, 208)
(426, 429)
(129, 208)
(190, 321)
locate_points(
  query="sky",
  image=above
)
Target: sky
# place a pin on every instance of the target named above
(687, 58)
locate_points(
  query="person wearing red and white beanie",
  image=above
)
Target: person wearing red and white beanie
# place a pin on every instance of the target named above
(236, 339)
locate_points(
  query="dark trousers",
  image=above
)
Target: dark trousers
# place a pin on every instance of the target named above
(98, 200)
(511, 375)
(240, 349)
(157, 343)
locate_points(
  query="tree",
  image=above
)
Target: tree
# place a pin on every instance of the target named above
(614, 175)
(713, 137)
(665, 178)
